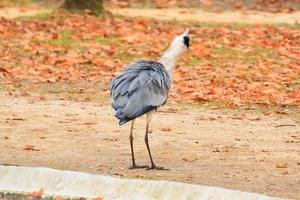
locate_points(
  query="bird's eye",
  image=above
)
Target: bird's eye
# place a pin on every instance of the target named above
(186, 41)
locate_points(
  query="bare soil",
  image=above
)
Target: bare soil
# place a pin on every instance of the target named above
(180, 14)
(242, 150)
(198, 15)
(12, 12)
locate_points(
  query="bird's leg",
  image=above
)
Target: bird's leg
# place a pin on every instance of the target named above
(153, 166)
(134, 166)
(131, 143)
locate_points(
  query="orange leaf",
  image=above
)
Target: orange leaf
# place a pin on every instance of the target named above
(282, 165)
(58, 198)
(55, 36)
(30, 148)
(237, 5)
(38, 194)
(165, 129)
(207, 3)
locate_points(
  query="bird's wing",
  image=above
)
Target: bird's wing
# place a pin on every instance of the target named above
(141, 87)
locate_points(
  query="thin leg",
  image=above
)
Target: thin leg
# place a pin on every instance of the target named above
(153, 166)
(146, 141)
(134, 166)
(131, 143)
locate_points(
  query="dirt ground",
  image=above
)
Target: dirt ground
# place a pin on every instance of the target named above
(243, 150)
(11, 12)
(197, 15)
(180, 14)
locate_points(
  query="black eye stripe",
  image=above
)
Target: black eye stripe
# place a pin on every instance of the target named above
(186, 41)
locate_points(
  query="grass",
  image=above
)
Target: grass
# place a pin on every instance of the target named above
(195, 61)
(202, 105)
(107, 40)
(27, 3)
(28, 196)
(228, 54)
(223, 55)
(72, 91)
(16, 3)
(65, 40)
(39, 17)
(125, 57)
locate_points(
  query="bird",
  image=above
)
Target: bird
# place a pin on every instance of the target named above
(142, 87)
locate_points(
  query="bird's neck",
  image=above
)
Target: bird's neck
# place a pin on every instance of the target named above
(169, 59)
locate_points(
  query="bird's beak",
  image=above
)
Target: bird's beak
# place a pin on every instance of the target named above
(186, 32)
(186, 38)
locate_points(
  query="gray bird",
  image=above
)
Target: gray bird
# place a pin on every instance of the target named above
(143, 86)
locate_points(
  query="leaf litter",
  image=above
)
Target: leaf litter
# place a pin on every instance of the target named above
(234, 67)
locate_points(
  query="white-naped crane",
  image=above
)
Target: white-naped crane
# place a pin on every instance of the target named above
(143, 86)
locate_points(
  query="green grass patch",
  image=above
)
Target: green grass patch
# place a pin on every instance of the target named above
(29, 3)
(65, 40)
(39, 17)
(126, 57)
(27, 196)
(194, 61)
(107, 40)
(72, 91)
(227, 54)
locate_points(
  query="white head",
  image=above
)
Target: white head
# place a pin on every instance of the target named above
(178, 46)
(181, 42)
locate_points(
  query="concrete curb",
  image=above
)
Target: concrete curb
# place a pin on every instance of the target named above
(78, 184)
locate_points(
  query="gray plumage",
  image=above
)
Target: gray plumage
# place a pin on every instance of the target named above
(143, 86)
(140, 88)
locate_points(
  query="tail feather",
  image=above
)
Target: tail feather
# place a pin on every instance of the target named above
(123, 121)
(122, 117)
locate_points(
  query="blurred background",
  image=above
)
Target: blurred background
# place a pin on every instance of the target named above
(232, 113)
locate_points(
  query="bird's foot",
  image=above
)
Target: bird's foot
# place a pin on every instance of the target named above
(138, 166)
(156, 168)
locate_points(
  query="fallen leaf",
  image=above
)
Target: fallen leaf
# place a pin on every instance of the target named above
(207, 3)
(282, 165)
(38, 194)
(58, 198)
(165, 129)
(189, 159)
(30, 148)
(42, 97)
(90, 123)
(237, 5)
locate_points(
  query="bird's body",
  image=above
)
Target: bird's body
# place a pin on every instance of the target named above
(143, 86)
(140, 88)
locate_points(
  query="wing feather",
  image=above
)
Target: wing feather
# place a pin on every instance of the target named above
(141, 87)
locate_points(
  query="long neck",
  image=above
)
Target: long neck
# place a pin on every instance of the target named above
(169, 59)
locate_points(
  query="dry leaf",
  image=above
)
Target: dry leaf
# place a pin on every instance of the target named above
(165, 129)
(58, 198)
(207, 3)
(189, 159)
(38, 194)
(282, 165)
(30, 148)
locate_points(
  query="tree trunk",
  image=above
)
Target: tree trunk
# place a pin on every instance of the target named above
(95, 6)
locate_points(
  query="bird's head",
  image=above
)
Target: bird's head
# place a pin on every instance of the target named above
(181, 42)
(178, 46)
